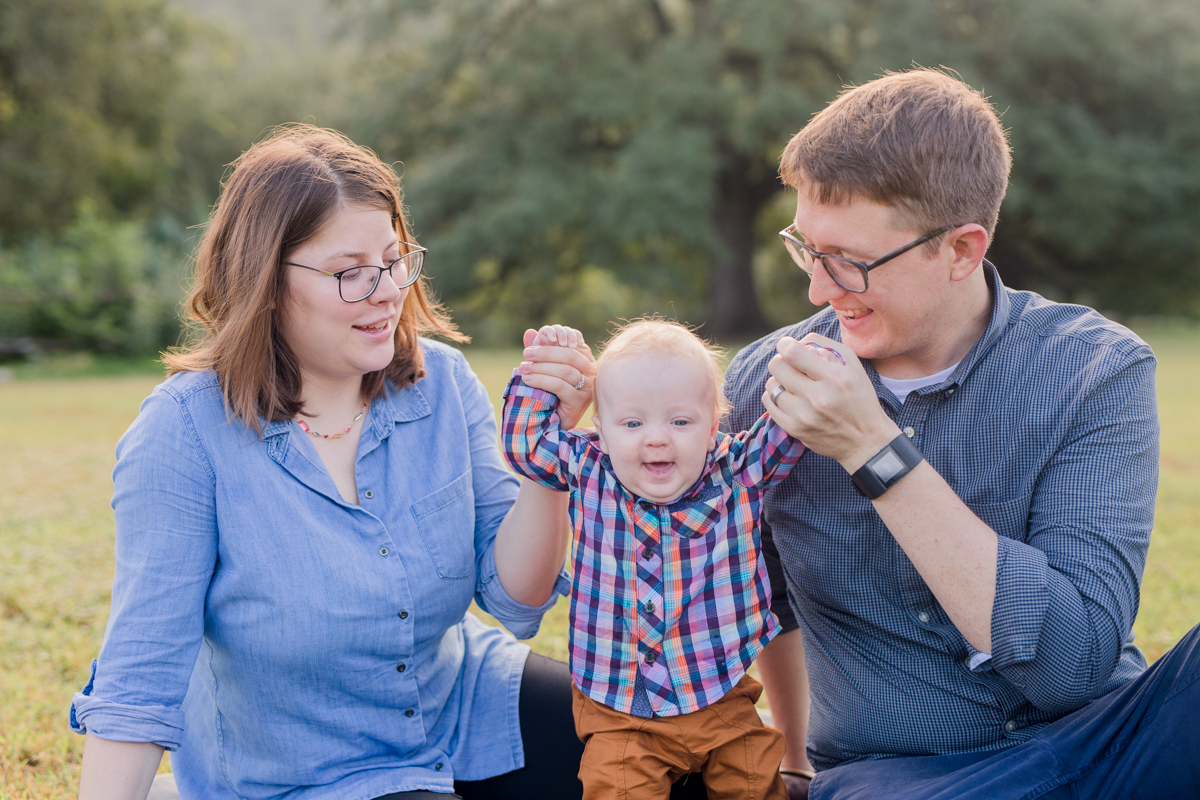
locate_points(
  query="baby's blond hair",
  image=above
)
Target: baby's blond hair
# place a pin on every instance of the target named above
(658, 335)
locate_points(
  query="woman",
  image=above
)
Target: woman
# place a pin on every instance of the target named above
(305, 509)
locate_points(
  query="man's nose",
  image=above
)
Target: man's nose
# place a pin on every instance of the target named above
(822, 288)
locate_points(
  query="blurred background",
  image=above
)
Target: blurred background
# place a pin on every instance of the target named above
(563, 160)
(568, 161)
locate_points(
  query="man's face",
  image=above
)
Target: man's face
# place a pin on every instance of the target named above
(907, 311)
(656, 416)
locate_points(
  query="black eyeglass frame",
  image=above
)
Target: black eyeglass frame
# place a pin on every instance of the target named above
(409, 281)
(787, 234)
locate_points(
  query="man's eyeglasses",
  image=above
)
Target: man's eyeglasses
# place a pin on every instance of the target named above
(356, 284)
(847, 273)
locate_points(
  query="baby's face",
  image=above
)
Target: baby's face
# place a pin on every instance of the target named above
(657, 420)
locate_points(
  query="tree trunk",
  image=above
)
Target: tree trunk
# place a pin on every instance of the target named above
(734, 312)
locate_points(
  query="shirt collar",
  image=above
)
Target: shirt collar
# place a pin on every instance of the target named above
(395, 405)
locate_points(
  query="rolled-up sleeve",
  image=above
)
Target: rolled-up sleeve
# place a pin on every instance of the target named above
(163, 500)
(495, 492)
(1065, 597)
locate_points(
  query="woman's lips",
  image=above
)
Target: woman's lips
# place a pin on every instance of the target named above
(375, 329)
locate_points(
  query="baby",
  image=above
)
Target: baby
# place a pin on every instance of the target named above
(670, 602)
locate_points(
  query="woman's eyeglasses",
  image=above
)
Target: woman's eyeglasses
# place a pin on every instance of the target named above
(356, 284)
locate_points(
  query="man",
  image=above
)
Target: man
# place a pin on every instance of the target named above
(963, 548)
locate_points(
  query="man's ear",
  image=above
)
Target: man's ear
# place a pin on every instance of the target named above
(599, 434)
(969, 243)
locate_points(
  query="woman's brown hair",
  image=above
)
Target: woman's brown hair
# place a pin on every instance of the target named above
(282, 192)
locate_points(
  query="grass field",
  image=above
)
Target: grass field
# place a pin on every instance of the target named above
(59, 423)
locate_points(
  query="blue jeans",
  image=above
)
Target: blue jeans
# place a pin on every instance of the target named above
(1139, 742)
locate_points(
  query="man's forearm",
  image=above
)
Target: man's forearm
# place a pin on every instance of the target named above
(952, 549)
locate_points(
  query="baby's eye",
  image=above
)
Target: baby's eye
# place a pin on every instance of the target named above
(633, 423)
(679, 423)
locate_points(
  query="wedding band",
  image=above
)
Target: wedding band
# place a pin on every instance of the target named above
(580, 384)
(778, 390)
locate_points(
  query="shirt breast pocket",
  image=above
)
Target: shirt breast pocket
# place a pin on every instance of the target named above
(446, 521)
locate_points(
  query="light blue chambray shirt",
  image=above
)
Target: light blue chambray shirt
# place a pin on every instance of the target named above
(289, 642)
(1048, 431)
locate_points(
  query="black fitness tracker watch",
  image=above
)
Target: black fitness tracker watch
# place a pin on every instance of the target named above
(887, 467)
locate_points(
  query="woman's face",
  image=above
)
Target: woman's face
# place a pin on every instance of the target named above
(331, 339)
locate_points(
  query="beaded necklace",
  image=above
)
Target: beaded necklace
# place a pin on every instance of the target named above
(304, 426)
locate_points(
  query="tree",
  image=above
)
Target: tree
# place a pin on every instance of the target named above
(631, 145)
(549, 141)
(83, 88)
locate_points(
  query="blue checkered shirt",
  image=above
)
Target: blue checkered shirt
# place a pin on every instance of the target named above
(1048, 431)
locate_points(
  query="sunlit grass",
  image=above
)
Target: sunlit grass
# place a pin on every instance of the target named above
(56, 541)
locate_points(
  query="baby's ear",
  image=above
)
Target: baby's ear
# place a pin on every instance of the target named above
(599, 434)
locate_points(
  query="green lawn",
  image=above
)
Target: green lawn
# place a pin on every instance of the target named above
(60, 422)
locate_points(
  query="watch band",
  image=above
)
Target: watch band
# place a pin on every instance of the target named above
(885, 469)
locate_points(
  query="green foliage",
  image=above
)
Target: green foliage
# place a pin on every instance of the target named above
(1102, 98)
(549, 141)
(108, 287)
(639, 139)
(83, 87)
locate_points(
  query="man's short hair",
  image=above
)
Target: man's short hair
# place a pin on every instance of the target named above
(923, 142)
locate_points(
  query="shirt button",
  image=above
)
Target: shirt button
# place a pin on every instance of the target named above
(649, 608)
(383, 551)
(400, 668)
(949, 391)
(923, 617)
(408, 712)
(647, 554)
(439, 766)
(368, 494)
(651, 658)
(909, 432)
(403, 615)
(1010, 726)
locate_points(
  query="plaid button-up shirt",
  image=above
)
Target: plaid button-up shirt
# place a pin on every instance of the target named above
(678, 592)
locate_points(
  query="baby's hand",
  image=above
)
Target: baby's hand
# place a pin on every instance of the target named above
(557, 360)
(560, 335)
(827, 353)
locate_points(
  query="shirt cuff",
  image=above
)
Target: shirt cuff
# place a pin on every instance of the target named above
(521, 620)
(119, 722)
(1022, 597)
(517, 387)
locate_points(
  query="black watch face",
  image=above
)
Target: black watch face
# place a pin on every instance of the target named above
(887, 465)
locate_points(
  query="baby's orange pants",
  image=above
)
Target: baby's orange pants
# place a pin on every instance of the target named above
(631, 758)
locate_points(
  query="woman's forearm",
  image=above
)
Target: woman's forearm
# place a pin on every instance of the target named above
(531, 544)
(117, 770)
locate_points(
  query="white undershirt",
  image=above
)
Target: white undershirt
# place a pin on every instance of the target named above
(901, 388)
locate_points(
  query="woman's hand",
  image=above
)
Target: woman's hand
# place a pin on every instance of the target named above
(557, 360)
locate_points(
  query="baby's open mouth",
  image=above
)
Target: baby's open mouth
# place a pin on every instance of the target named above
(658, 468)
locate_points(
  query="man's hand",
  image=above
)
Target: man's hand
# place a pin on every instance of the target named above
(557, 360)
(830, 407)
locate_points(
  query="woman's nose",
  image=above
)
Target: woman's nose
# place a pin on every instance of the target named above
(387, 291)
